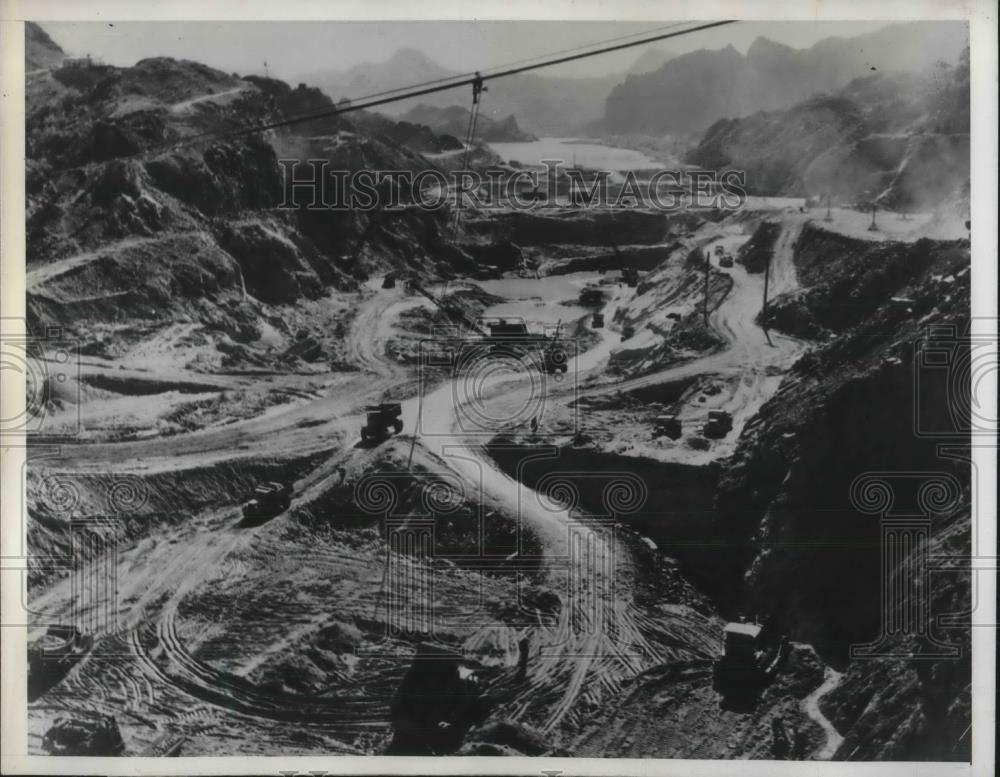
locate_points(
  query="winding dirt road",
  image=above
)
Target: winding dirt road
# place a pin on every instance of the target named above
(600, 638)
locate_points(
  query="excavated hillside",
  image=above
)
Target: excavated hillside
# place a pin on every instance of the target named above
(126, 226)
(783, 505)
(902, 140)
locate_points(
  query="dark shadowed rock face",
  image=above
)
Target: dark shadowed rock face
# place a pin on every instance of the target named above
(804, 551)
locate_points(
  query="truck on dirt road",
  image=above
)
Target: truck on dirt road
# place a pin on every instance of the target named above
(269, 499)
(749, 659)
(555, 360)
(69, 737)
(380, 420)
(720, 423)
(726, 261)
(667, 425)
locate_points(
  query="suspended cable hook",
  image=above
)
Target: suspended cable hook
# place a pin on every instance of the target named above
(477, 88)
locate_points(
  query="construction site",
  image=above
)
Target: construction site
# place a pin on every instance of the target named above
(567, 481)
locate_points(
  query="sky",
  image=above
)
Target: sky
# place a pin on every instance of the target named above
(292, 49)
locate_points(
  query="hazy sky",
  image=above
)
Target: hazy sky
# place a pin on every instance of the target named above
(294, 48)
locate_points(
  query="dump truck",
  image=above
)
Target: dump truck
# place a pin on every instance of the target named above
(389, 281)
(720, 423)
(84, 737)
(381, 419)
(667, 425)
(58, 650)
(598, 321)
(269, 499)
(726, 261)
(749, 659)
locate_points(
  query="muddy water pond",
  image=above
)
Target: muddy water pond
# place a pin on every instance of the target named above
(539, 301)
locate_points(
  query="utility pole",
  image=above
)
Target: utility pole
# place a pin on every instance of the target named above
(708, 267)
(828, 216)
(763, 309)
(872, 227)
(767, 276)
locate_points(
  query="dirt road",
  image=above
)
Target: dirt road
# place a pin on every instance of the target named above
(599, 639)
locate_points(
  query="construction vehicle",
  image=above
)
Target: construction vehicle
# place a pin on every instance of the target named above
(89, 738)
(382, 418)
(726, 261)
(630, 277)
(667, 425)
(598, 321)
(749, 659)
(510, 337)
(438, 700)
(555, 359)
(58, 650)
(719, 424)
(167, 745)
(389, 281)
(269, 499)
(720, 250)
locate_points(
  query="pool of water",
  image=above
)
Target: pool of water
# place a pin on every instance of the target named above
(536, 300)
(570, 151)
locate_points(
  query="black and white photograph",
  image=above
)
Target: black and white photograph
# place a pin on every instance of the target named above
(556, 388)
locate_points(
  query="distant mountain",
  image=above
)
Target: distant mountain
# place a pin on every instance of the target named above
(40, 51)
(454, 120)
(651, 59)
(406, 66)
(692, 91)
(900, 139)
(543, 105)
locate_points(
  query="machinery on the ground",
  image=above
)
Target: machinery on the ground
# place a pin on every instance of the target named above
(598, 321)
(438, 700)
(389, 281)
(720, 250)
(667, 425)
(381, 419)
(719, 424)
(84, 737)
(269, 499)
(726, 261)
(554, 359)
(58, 650)
(630, 277)
(750, 657)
